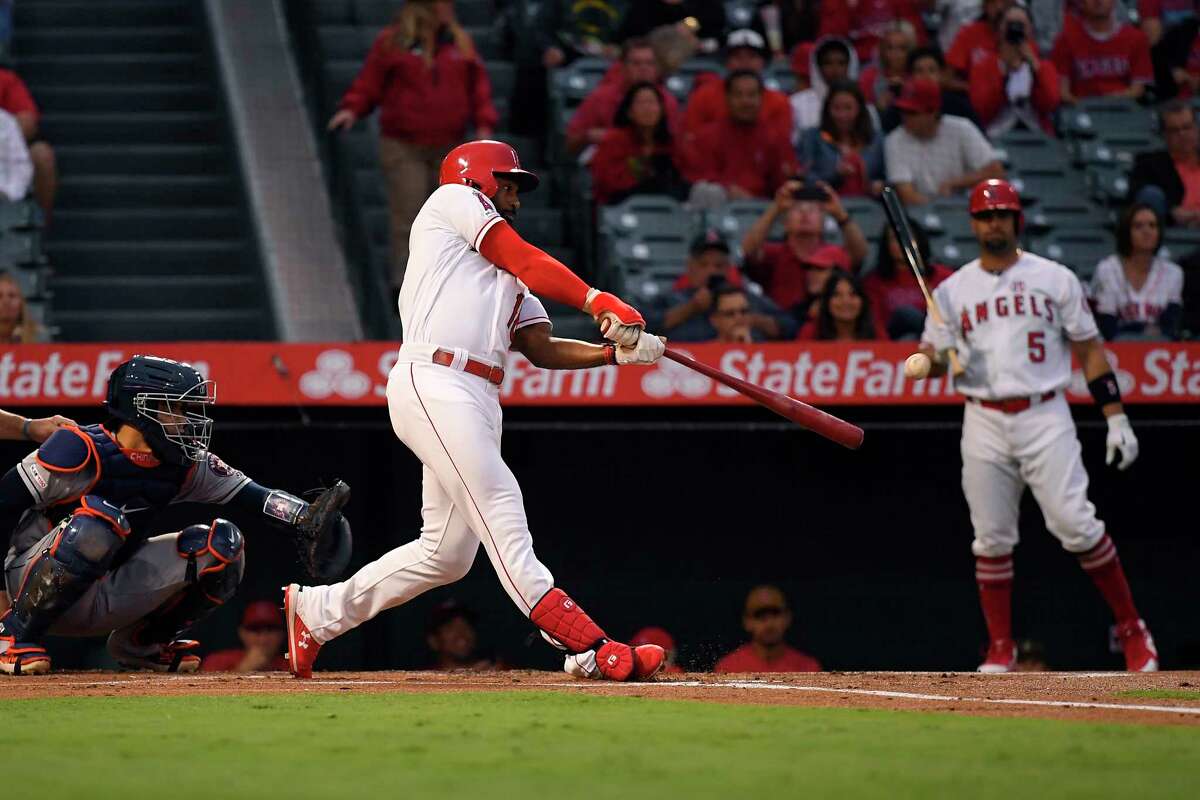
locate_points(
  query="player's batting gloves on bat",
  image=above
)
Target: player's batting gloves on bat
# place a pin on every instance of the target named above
(649, 348)
(1120, 439)
(619, 322)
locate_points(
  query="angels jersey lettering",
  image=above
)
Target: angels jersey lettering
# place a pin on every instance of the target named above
(1099, 66)
(1014, 328)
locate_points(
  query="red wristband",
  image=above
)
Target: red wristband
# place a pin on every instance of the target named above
(610, 354)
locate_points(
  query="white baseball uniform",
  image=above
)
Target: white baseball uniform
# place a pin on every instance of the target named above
(1013, 332)
(1113, 294)
(456, 300)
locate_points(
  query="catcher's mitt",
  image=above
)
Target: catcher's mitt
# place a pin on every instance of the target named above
(323, 536)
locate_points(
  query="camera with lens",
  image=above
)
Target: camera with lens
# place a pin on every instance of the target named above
(1014, 32)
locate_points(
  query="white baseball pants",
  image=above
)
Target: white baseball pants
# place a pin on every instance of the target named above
(1004, 453)
(451, 420)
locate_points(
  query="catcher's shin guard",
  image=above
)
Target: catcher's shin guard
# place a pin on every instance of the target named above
(208, 587)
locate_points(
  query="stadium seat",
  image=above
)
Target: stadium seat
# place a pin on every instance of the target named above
(30, 281)
(645, 214)
(953, 251)
(680, 84)
(1077, 214)
(332, 12)
(1104, 116)
(21, 214)
(573, 83)
(503, 75)
(1113, 149)
(781, 79)
(474, 12)
(1080, 250)
(1051, 185)
(375, 13)
(734, 219)
(541, 226)
(1107, 184)
(944, 216)
(1029, 150)
(1179, 242)
(341, 43)
(639, 252)
(867, 213)
(20, 247)
(337, 77)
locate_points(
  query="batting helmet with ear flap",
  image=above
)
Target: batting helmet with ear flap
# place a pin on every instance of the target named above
(996, 195)
(481, 162)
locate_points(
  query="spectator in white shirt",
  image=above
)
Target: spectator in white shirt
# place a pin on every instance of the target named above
(16, 170)
(1135, 291)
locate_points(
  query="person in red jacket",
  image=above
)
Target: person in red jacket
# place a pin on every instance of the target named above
(264, 642)
(766, 618)
(861, 21)
(976, 41)
(744, 50)
(1096, 55)
(1014, 88)
(637, 154)
(738, 154)
(424, 75)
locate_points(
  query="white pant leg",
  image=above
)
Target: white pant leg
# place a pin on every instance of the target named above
(451, 420)
(991, 481)
(1052, 464)
(442, 554)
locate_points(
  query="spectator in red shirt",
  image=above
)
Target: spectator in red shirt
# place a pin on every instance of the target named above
(16, 100)
(843, 312)
(736, 158)
(595, 114)
(660, 637)
(1013, 87)
(882, 79)
(975, 41)
(861, 20)
(744, 50)
(896, 299)
(1156, 17)
(637, 155)
(766, 618)
(263, 643)
(1098, 56)
(793, 272)
(424, 75)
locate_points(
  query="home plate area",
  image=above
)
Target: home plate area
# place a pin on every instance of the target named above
(1171, 698)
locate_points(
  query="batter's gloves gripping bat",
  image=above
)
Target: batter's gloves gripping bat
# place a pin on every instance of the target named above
(323, 537)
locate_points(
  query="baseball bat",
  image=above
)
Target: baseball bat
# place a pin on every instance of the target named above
(804, 415)
(898, 219)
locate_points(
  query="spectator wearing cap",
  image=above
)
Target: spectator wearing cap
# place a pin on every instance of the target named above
(637, 155)
(736, 158)
(263, 643)
(660, 637)
(832, 60)
(424, 75)
(1014, 87)
(846, 151)
(843, 312)
(882, 79)
(450, 633)
(683, 314)
(786, 23)
(744, 50)
(596, 113)
(895, 296)
(931, 155)
(860, 21)
(767, 618)
(927, 63)
(16, 100)
(705, 19)
(793, 272)
(1099, 56)
(801, 64)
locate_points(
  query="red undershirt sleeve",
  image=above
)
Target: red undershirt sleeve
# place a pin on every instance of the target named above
(545, 275)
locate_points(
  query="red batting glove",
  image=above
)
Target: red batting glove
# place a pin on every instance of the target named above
(603, 302)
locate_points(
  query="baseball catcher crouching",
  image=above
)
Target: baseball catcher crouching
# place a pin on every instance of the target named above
(79, 508)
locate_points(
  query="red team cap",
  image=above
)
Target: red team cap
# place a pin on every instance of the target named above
(920, 96)
(262, 614)
(479, 163)
(653, 635)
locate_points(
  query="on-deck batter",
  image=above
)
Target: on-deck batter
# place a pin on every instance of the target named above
(464, 304)
(1016, 318)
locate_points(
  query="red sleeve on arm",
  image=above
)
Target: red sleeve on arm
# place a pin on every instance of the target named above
(986, 88)
(1047, 88)
(16, 98)
(367, 89)
(1148, 9)
(545, 275)
(1141, 67)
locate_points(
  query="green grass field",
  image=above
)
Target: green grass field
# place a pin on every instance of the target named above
(499, 744)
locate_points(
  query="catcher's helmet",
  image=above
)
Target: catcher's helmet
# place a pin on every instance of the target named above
(479, 163)
(996, 195)
(167, 401)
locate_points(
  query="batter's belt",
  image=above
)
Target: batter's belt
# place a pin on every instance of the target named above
(1014, 405)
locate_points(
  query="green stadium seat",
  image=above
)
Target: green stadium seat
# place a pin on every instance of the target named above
(734, 219)
(20, 214)
(867, 213)
(637, 253)
(1076, 214)
(1104, 116)
(573, 83)
(647, 214)
(1026, 150)
(1179, 242)
(781, 79)
(1119, 150)
(953, 251)
(1048, 185)
(944, 216)
(1080, 250)
(21, 247)
(1108, 185)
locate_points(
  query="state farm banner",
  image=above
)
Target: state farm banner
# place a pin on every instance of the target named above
(355, 374)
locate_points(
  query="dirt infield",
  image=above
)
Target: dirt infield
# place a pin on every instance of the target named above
(1057, 695)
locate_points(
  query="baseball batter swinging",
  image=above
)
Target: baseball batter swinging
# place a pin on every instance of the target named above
(465, 303)
(1016, 318)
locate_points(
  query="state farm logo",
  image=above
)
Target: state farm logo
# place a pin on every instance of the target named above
(335, 374)
(672, 378)
(1125, 379)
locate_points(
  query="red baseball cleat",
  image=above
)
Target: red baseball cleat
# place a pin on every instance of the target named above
(1001, 657)
(302, 647)
(1140, 653)
(648, 659)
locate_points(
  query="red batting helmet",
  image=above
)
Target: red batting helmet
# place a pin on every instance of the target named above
(996, 195)
(479, 163)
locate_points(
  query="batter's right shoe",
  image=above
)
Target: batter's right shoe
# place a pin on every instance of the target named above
(23, 658)
(302, 647)
(614, 661)
(1140, 653)
(1001, 657)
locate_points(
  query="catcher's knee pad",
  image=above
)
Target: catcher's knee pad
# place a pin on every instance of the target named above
(90, 537)
(216, 555)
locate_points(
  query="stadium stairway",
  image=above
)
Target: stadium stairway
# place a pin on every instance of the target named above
(150, 237)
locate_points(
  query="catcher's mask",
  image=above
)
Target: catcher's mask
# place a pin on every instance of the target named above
(168, 402)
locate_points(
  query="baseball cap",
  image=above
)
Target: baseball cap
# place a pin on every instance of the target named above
(262, 614)
(826, 257)
(653, 635)
(745, 37)
(802, 59)
(709, 240)
(920, 96)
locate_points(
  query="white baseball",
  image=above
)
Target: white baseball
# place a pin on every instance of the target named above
(917, 366)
